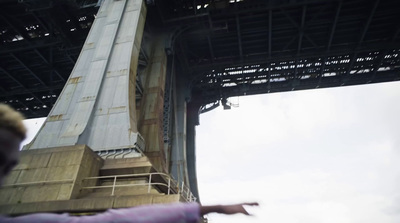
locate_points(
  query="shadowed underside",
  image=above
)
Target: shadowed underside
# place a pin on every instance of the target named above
(222, 48)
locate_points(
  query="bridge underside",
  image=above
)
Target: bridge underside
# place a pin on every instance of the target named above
(214, 50)
(222, 48)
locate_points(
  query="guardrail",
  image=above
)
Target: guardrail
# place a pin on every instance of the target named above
(172, 185)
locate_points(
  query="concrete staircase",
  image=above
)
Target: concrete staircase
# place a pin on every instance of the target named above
(56, 180)
(127, 184)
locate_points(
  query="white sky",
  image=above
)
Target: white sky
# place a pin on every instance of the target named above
(323, 156)
(33, 125)
(315, 156)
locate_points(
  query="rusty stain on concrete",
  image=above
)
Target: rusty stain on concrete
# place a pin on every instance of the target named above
(89, 45)
(116, 109)
(74, 80)
(53, 118)
(88, 98)
(117, 72)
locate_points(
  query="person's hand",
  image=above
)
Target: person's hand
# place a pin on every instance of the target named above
(237, 208)
(227, 209)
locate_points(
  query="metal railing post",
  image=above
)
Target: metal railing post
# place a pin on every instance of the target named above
(148, 190)
(182, 190)
(113, 189)
(169, 184)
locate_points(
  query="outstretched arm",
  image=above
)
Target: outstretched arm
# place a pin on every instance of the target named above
(226, 209)
(166, 213)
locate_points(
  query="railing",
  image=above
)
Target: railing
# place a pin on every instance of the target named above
(171, 185)
(186, 193)
(121, 153)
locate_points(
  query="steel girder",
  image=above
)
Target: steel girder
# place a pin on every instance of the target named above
(225, 48)
(234, 48)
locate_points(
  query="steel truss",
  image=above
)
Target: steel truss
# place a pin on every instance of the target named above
(225, 48)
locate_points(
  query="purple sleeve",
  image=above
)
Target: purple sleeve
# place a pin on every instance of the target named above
(163, 213)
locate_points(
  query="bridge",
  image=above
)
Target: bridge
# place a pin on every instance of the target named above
(214, 50)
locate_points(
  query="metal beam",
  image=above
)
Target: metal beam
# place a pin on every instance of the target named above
(32, 90)
(34, 44)
(301, 28)
(283, 86)
(239, 38)
(15, 27)
(269, 33)
(210, 48)
(56, 26)
(328, 47)
(303, 18)
(301, 33)
(28, 69)
(15, 80)
(363, 33)
(42, 24)
(50, 65)
(382, 57)
(255, 8)
(18, 101)
(260, 59)
(183, 56)
(12, 77)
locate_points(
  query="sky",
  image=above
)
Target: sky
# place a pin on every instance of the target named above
(323, 156)
(326, 156)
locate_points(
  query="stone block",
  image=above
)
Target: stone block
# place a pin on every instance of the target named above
(7, 194)
(81, 205)
(163, 199)
(33, 175)
(24, 161)
(12, 177)
(39, 193)
(62, 196)
(39, 160)
(65, 191)
(63, 172)
(90, 166)
(126, 166)
(26, 176)
(6, 209)
(131, 201)
(66, 158)
(93, 204)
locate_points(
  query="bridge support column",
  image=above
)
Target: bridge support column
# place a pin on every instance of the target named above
(178, 155)
(193, 109)
(151, 120)
(97, 111)
(97, 105)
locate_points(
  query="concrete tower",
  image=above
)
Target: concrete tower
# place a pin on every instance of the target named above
(98, 148)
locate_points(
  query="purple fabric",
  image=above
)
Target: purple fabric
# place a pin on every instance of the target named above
(165, 213)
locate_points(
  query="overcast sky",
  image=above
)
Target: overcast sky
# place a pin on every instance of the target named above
(315, 156)
(323, 156)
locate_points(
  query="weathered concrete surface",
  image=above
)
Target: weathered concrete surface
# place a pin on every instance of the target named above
(88, 205)
(151, 120)
(97, 108)
(51, 180)
(125, 166)
(97, 105)
(50, 174)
